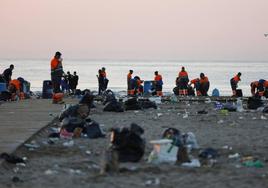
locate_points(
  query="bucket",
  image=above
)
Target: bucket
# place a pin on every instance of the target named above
(147, 86)
(3, 87)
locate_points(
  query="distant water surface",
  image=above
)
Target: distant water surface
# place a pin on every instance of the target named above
(219, 73)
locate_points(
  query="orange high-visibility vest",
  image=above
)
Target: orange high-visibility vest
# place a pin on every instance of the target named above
(204, 80)
(158, 77)
(129, 76)
(16, 83)
(194, 81)
(183, 74)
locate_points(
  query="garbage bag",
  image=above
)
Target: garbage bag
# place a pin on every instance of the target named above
(128, 143)
(92, 129)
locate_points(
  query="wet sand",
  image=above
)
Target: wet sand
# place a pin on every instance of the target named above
(60, 166)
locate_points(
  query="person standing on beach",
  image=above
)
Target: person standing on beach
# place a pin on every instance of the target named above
(56, 72)
(7, 74)
(182, 82)
(75, 82)
(204, 84)
(101, 82)
(234, 83)
(104, 75)
(129, 77)
(158, 81)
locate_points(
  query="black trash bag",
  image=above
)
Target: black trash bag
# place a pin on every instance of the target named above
(174, 135)
(70, 124)
(230, 107)
(10, 158)
(88, 100)
(108, 96)
(92, 129)
(113, 106)
(208, 153)
(5, 96)
(254, 103)
(132, 104)
(147, 104)
(128, 143)
(265, 110)
(176, 90)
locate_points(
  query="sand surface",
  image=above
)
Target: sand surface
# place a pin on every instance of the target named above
(60, 166)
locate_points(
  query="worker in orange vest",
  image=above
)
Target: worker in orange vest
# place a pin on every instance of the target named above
(138, 85)
(182, 82)
(14, 88)
(204, 84)
(196, 83)
(106, 81)
(129, 77)
(56, 72)
(158, 82)
(234, 82)
(259, 88)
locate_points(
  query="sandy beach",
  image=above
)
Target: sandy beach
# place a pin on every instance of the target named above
(56, 165)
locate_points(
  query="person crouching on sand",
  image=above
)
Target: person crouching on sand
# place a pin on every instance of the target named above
(234, 82)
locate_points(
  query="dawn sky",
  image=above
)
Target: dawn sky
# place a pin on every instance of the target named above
(135, 29)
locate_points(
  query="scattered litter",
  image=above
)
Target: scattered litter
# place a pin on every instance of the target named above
(234, 156)
(263, 117)
(224, 112)
(155, 181)
(159, 114)
(208, 100)
(50, 172)
(73, 171)
(34, 146)
(136, 111)
(184, 116)
(239, 105)
(163, 151)
(208, 153)
(227, 147)
(220, 121)
(16, 179)
(251, 163)
(254, 118)
(21, 164)
(88, 152)
(202, 112)
(68, 143)
(241, 117)
(195, 163)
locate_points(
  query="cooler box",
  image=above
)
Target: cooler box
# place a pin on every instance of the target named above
(3, 87)
(147, 86)
(47, 91)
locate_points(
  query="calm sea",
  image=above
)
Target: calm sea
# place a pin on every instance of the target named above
(219, 73)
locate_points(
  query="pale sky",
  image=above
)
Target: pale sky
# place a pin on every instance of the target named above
(135, 29)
